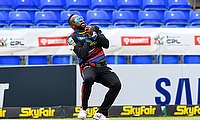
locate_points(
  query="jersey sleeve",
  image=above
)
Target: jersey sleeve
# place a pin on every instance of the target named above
(71, 43)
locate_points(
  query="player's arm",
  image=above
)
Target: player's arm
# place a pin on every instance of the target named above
(94, 33)
(81, 50)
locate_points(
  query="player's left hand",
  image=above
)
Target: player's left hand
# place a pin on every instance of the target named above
(89, 31)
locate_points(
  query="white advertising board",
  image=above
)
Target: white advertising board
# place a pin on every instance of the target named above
(123, 41)
(151, 85)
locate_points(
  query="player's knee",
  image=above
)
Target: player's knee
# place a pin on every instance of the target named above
(118, 85)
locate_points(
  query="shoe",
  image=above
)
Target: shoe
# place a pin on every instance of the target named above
(82, 114)
(99, 116)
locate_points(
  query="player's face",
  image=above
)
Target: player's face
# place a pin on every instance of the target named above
(78, 23)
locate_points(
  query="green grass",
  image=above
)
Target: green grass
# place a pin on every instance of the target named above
(129, 118)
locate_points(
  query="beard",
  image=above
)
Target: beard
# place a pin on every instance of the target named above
(82, 26)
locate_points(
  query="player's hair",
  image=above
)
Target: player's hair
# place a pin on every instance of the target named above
(69, 22)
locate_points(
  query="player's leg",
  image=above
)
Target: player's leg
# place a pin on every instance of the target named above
(110, 80)
(88, 80)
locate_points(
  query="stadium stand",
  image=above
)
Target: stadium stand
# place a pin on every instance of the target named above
(64, 17)
(51, 5)
(180, 5)
(149, 19)
(130, 5)
(175, 19)
(166, 3)
(110, 59)
(123, 19)
(55, 6)
(60, 59)
(20, 19)
(41, 26)
(84, 6)
(107, 5)
(168, 59)
(6, 4)
(191, 59)
(26, 5)
(142, 59)
(195, 18)
(5, 7)
(30, 6)
(78, 5)
(10, 60)
(119, 59)
(102, 4)
(3, 22)
(46, 18)
(99, 18)
(122, 59)
(37, 60)
(155, 5)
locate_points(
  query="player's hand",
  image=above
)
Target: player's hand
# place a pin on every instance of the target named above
(89, 31)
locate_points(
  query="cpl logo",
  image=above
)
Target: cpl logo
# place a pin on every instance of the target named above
(173, 40)
(16, 41)
(3, 42)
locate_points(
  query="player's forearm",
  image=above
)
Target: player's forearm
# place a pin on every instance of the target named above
(102, 41)
(82, 51)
